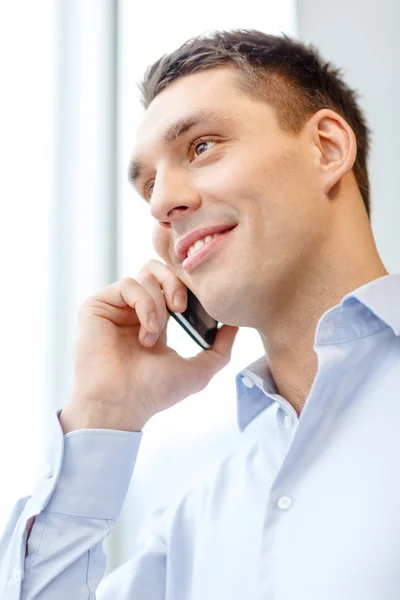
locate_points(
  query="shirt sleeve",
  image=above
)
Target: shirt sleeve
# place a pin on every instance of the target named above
(77, 502)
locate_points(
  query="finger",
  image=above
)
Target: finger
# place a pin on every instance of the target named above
(163, 285)
(127, 292)
(208, 362)
(222, 347)
(152, 286)
(169, 282)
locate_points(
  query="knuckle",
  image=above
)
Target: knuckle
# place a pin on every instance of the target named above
(156, 272)
(126, 281)
(173, 283)
(86, 303)
(151, 305)
(153, 263)
(146, 300)
(146, 275)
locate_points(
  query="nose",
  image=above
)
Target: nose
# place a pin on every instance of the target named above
(172, 198)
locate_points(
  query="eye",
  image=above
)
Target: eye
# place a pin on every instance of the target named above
(200, 142)
(147, 189)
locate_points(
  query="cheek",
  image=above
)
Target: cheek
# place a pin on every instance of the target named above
(163, 244)
(279, 195)
(261, 169)
(161, 241)
(285, 179)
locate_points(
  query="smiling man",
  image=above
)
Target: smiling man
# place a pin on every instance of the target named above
(252, 157)
(281, 168)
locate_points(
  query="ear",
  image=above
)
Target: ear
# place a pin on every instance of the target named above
(334, 147)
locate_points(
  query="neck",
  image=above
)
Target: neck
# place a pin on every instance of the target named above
(288, 337)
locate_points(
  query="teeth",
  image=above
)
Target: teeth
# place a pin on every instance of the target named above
(200, 243)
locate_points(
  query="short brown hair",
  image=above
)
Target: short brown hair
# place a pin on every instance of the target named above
(279, 70)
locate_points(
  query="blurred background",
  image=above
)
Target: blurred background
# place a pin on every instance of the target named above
(70, 224)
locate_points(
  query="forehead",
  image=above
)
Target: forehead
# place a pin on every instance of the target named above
(212, 91)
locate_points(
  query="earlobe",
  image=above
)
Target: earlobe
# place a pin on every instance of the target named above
(337, 148)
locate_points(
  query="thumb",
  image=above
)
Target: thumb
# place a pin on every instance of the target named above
(223, 343)
(208, 362)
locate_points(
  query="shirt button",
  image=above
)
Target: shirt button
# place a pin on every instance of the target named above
(17, 575)
(247, 382)
(288, 422)
(48, 472)
(285, 502)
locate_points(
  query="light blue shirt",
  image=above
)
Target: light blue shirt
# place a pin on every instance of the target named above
(310, 512)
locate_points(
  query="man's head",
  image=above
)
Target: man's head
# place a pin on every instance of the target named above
(278, 150)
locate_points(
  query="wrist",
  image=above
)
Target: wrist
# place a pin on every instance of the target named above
(74, 418)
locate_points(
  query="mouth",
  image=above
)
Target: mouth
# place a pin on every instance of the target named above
(183, 245)
(206, 250)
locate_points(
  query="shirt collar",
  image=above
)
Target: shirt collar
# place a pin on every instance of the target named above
(382, 297)
(362, 312)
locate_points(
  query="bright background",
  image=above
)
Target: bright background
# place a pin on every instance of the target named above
(70, 224)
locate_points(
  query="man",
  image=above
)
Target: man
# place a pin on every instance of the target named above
(256, 138)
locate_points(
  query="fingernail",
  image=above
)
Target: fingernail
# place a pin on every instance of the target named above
(180, 299)
(150, 338)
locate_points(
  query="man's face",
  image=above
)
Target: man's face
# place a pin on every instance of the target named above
(243, 171)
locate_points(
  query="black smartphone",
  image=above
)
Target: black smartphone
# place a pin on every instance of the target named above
(201, 327)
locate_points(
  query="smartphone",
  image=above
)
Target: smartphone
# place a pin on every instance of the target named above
(201, 327)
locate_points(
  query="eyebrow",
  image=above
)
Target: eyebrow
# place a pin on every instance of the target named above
(177, 130)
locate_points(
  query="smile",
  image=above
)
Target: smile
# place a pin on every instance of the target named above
(205, 249)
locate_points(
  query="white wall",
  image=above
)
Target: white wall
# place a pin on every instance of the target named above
(58, 210)
(27, 67)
